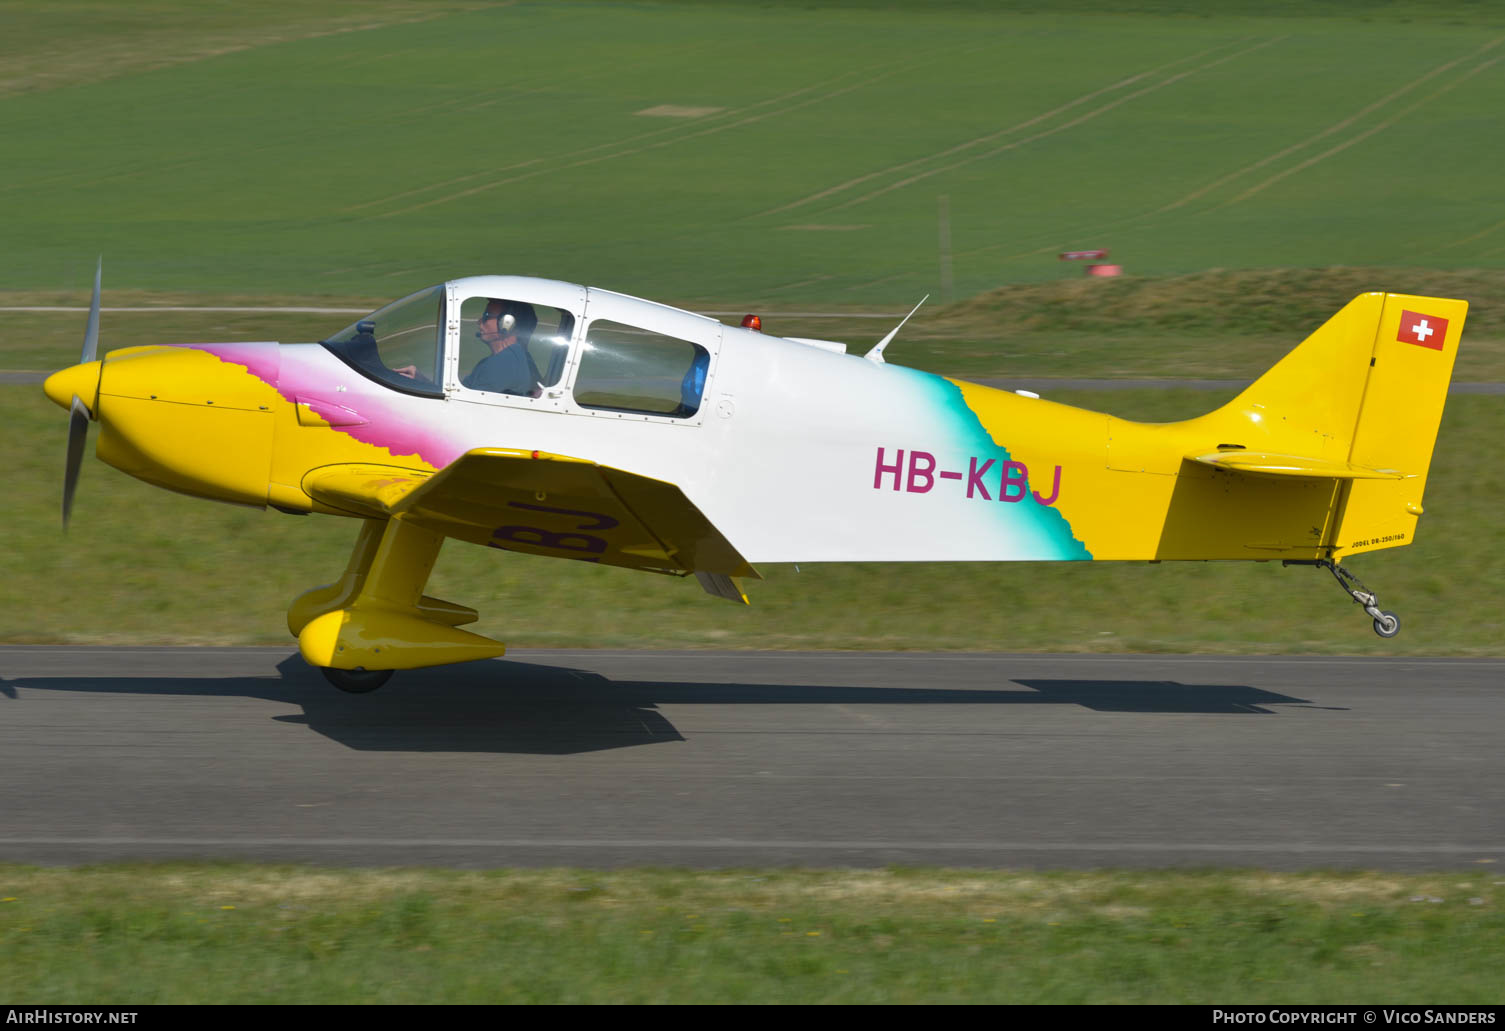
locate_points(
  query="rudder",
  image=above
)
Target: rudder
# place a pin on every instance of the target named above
(1410, 367)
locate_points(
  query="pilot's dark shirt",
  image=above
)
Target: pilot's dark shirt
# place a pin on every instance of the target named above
(508, 371)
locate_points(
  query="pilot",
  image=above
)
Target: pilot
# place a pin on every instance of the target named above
(506, 327)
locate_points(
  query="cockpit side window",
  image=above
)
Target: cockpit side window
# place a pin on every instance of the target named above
(513, 347)
(400, 346)
(628, 369)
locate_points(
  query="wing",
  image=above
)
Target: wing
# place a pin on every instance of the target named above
(543, 504)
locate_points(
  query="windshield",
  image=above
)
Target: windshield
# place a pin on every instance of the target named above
(401, 345)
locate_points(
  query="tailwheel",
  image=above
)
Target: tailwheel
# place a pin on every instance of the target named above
(356, 681)
(1386, 623)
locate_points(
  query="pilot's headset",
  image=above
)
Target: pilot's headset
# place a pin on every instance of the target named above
(518, 317)
(514, 315)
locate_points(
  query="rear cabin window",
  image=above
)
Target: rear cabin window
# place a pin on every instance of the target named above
(627, 369)
(513, 347)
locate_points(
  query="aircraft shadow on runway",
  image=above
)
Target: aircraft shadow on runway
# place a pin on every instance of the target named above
(517, 707)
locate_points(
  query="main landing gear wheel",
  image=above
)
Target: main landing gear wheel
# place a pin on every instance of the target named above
(1387, 624)
(356, 681)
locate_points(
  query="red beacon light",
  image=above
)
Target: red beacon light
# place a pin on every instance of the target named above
(752, 322)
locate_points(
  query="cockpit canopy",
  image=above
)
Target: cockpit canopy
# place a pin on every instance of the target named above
(510, 340)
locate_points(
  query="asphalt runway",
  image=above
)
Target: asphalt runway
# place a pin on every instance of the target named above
(729, 759)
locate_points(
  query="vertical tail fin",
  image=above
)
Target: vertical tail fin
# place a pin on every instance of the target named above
(1365, 390)
(1414, 348)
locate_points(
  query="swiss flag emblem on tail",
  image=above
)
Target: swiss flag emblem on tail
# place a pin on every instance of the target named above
(1425, 330)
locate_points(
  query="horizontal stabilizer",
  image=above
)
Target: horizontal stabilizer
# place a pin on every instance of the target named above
(1267, 464)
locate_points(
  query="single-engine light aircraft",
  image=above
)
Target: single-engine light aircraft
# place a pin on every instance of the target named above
(554, 419)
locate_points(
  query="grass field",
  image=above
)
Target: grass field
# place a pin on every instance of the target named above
(236, 934)
(722, 153)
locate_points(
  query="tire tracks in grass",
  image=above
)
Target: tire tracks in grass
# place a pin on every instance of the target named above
(685, 134)
(1309, 162)
(1104, 109)
(498, 96)
(317, 133)
(1055, 244)
(389, 121)
(1100, 228)
(681, 134)
(1487, 231)
(1335, 127)
(980, 140)
(101, 63)
(652, 134)
(1000, 133)
(73, 180)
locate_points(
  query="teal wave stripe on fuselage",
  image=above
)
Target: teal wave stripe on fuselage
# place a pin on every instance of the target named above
(1041, 531)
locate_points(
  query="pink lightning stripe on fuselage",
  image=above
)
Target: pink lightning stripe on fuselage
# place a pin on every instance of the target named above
(399, 424)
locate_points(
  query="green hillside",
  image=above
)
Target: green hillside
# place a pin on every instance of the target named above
(738, 154)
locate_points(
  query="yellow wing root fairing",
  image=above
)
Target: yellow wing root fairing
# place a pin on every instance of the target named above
(373, 491)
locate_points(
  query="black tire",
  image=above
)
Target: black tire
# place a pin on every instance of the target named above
(1387, 624)
(356, 681)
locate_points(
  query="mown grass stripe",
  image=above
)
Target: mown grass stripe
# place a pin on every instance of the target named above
(217, 933)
